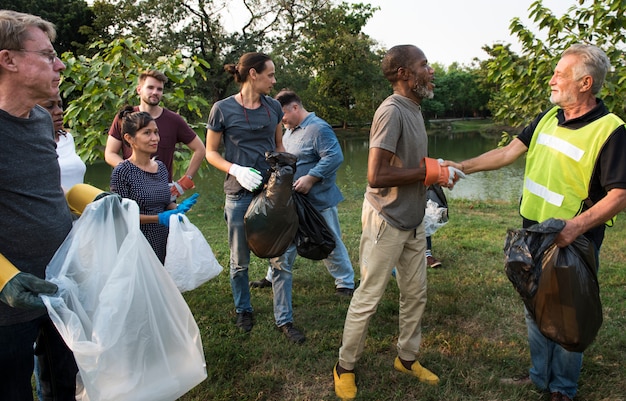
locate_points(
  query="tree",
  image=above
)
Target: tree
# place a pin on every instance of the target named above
(101, 84)
(458, 93)
(521, 80)
(346, 83)
(72, 19)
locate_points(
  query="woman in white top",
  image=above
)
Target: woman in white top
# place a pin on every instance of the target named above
(72, 167)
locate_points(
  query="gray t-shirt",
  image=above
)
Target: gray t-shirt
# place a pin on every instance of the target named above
(398, 127)
(247, 134)
(34, 214)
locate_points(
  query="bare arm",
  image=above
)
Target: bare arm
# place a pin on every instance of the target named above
(213, 156)
(112, 151)
(279, 138)
(607, 207)
(198, 155)
(381, 174)
(493, 159)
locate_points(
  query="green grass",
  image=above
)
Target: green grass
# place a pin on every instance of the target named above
(473, 327)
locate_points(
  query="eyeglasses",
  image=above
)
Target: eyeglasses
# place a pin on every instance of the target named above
(51, 56)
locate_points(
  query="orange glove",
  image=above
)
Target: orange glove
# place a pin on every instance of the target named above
(434, 173)
(177, 188)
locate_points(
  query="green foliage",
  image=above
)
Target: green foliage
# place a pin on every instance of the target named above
(98, 86)
(458, 94)
(520, 81)
(72, 19)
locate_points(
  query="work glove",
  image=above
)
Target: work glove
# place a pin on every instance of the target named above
(179, 187)
(187, 203)
(22, 290)
(435, 174)
(248, 177)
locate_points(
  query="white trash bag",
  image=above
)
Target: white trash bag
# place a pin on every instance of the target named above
(435, 217)
(189, 259)
(132, 334)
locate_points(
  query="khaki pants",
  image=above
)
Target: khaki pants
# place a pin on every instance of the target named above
(384, 247)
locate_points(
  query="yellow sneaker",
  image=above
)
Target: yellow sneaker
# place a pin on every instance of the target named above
(345, 386)
(417, 370)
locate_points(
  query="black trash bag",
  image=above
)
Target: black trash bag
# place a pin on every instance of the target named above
(314, 240)
(566, 301)
(271, 221)
(435, 193)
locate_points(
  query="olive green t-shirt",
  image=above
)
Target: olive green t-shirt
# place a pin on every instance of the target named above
(398, 127)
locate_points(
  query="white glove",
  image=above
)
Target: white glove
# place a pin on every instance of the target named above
(248, 177)
(455, 175)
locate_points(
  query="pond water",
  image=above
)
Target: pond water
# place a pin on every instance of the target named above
(504, 184)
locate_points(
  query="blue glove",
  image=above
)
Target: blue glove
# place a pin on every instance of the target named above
(187, 203)
(164, 217)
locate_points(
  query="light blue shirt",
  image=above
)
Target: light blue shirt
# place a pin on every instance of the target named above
(315, 144)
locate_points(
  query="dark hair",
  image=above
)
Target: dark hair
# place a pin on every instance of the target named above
(286, 96)
(132, 121)
(398, 57)
(154, 74)
(241, 70)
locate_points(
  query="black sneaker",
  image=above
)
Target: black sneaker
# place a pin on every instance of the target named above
(344, 292)
(245, 321)
(294, 335)
(263, 283)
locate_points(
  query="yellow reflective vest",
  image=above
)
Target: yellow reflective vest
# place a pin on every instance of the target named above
(559, 165)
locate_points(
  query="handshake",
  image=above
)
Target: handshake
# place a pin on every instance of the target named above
(446, 176)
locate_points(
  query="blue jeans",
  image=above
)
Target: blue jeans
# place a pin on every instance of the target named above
(553, 369)
(338, 262)
(234, 210)
(56, 362)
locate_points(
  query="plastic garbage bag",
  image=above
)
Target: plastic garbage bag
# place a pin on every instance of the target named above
(131, 332)
(562, 292)
(314, 240)
(436, 214)
(189, 259)
(271, 221)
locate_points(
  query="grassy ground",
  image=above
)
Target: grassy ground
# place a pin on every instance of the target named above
(473, 328)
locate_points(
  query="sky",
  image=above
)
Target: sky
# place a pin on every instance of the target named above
(446, 30)
(452, 30)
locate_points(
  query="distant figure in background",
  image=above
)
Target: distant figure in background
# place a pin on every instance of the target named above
(145, 180)
(72, 166)
(172, 130)
(314, 143)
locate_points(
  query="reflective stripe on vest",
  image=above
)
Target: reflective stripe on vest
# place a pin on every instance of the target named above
(559, 165)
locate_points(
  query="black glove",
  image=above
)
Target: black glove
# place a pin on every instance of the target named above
(22, 290)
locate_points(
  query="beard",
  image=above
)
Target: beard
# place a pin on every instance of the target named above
(422, 91)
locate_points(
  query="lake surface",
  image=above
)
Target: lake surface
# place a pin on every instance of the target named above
(504, 184)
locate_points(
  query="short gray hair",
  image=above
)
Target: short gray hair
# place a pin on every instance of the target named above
(595, 62)
(14, 26)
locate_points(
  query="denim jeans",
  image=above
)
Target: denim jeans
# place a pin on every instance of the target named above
(553, 369)
(338, 262)
(56, 363)
(234, 210)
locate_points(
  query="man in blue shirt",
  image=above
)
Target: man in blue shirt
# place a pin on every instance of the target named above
(315, 144)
